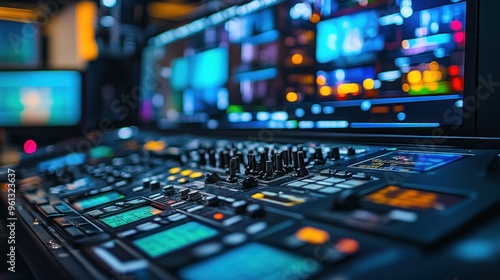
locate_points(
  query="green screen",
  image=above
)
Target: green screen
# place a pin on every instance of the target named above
(175, 238)
(131, 216)
(95, 200)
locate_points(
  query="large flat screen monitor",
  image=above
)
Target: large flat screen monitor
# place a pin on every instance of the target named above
(376, 65)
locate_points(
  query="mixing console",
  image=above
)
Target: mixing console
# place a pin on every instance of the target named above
(161, 207)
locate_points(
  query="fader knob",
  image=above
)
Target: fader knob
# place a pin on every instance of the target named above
(211, 201)
(154, 185)
(211, 158)
(232, 170)
(351, 151)
(255, 210)
(168, 190)
(269, 170)
(335, 153)
(212, 178)
(346, 200)
(301, 170)
(249, 183)
(184, 193)
(240, 207)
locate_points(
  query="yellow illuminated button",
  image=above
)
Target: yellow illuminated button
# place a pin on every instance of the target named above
(186, 172)
(182, 181)
(155, 146)
(171, 178)
(258, 196)
(174, 170)
(312, 235)
(195, 175)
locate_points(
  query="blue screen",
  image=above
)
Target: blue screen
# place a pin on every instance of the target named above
(40, 98)
(18, 44)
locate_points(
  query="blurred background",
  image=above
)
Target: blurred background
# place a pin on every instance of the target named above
(99, 41)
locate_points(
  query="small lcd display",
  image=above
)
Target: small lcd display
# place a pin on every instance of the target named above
(408, 161)
(252, 261)
(95, 200)
(169, 240)
(130, 216)
(413, 199)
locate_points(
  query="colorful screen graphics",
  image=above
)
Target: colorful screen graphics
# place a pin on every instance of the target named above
(311, 65)
(130, 216)
(413, 199)
(40, 98)
(408, 161)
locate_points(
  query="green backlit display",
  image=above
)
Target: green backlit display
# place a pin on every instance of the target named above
(95, 200)
(172, 239)
(131, 216)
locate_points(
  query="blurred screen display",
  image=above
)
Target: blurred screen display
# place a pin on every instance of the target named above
(311, 65)
(19, 45)
(40, 98)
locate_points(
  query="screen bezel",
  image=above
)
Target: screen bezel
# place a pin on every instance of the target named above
(466, 129)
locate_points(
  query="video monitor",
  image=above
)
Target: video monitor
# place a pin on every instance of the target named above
(40, 98)
(19, 44)
(325, 65)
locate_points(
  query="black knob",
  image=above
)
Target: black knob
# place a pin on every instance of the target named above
(262, 163)
(146, 182)
(295, 160)
(335, 153)
(227, 158)
(168, 190)
(232, 171)
(184, 193)
(346, 200)
(318, 153)
(203, 160)
(351, 151)
(280, 169)
(252, 165)
(240, 156)
(154, 185)
(301, 170)
(211, 201)
(240, 207)
(255, 211)
(249, 183)
(212, 178)
(194, 195)
(269, 170)
(211, 158)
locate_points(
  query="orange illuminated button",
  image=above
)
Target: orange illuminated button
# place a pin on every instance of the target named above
(155, 146)
(218, 216)
(312, 235)
(347, 246)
